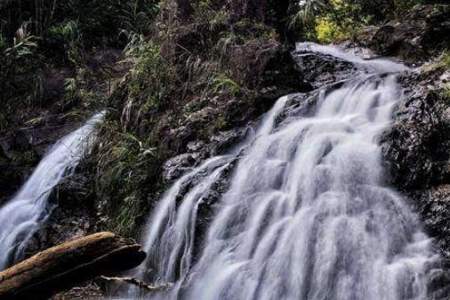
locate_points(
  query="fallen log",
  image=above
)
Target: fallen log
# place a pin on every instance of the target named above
(69, 264)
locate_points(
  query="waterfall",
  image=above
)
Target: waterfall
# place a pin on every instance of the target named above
(306, 214)
(22, 216)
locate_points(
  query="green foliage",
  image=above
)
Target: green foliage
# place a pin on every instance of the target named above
(125, 221)
(3, 43)
(402, 6)
(444, 62)
(125, 165)
(328, 20)
(445, 59)
(98, 21)
(222, 83)
(69, 35)
(46, 34)
(207, 12)
(67, 32)
(103, 20)
(152, 77)
(332, 20)
(137, 16)
(328, 31)
(307, 11)
(446, 93)
(20, 80)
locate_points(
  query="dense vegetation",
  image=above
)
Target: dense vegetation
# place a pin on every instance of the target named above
(36, 34)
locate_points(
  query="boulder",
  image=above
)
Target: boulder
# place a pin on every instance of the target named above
(421, 33)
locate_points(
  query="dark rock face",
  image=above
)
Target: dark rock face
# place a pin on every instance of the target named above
(422, 32)
(420, 137)
(197, 151)
(416, 150)
(22, 148)
(73, 214)
(12, 148)
(319, 69)
(35, 128)
(178, 165)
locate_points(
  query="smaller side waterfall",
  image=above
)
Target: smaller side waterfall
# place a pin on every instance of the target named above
(23, 215)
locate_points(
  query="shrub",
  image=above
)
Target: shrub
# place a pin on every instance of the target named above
(328, 20)
(152, 77)
(68, 35)
(20, 77)
(328, 31)
(222, 82)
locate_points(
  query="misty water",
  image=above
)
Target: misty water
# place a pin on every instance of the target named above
(23, 215)
(307, 213)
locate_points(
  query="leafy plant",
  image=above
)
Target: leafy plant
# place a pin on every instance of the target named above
(125, 163)
(223, 83)
(137, 16)
(445, 59)
(70, 36)
(20, 80)
(328, 20)
(307, 10)
(151, 76)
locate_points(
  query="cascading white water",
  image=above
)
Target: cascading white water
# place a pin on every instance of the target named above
(306, 216)
(23, 215)
(170, 235)
(379, 65)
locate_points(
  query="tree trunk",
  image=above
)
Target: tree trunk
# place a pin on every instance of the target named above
(69, 264)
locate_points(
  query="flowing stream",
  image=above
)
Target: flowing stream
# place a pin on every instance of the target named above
(22, 216)
(306, 213)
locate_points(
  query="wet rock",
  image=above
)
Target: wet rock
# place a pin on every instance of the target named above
(225, 140)
(416, 149)
(199, 150)
(418, 142)
(88, 291)
(73, 214)
(434, 206)
(178, 165)
(17, 157)
(195, 146)
(266, 64)
(319, 69)
(439, 284)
